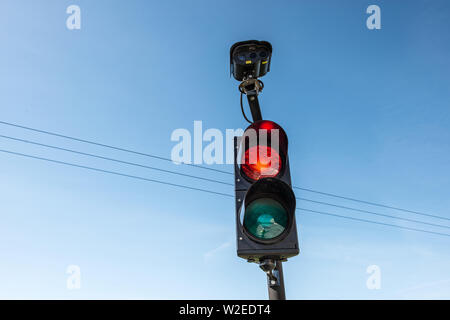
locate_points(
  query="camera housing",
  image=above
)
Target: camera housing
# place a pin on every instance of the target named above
(250, 59)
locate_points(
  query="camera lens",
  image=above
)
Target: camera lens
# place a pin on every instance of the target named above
(263, 54)
(253, 55)
(241, 57)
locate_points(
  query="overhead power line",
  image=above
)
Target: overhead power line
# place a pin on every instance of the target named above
(211, 180)
(202, 190)
(217, 170)
(372, 203)
(115, 173)
(109, 146)
(374, 213)
(114, 160)
(371, 221)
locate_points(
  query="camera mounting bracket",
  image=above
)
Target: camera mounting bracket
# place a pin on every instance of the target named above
(251, 88)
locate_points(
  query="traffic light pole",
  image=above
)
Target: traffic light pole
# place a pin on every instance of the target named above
(253, 102)
(277, 292)
(275, 279)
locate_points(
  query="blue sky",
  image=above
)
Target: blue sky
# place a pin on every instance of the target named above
(366, 112)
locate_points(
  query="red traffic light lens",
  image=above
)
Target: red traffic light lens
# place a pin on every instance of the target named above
(261, 162)
(266, 125)
(264, 146)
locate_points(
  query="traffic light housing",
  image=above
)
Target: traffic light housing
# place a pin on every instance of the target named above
(265, 203)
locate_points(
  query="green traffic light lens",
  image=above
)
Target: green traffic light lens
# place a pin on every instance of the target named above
(265, 219)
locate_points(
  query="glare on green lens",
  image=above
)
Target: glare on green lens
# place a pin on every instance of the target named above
(265, 218)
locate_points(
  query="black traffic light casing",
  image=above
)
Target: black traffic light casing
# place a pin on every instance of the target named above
(248, 247)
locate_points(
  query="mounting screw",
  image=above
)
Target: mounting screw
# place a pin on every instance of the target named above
(240, 238)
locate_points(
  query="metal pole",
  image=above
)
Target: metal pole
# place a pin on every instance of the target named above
(275, 280)
(252, 98)
(276, 287)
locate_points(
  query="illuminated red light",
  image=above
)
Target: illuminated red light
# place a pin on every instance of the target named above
(267, 164)
(267, 125)
(265, 150)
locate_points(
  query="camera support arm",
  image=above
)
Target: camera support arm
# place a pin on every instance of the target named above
(251, 88)
(254, 106)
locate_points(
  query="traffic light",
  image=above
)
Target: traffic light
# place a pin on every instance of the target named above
(265, 202)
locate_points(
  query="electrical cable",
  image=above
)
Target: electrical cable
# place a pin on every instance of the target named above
(372, 203)
(109, 146)
(114, 172)
(212, 180)
(115, 160)
(243, 112)
(221, 171)
(204, 190)
(371, 221)
(373, 213)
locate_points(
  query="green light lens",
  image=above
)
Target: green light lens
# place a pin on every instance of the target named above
(265, 218)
